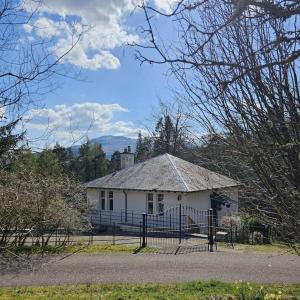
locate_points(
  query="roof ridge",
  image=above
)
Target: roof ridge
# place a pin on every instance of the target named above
(177, 171)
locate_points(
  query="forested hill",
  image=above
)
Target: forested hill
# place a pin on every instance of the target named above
(110, 144)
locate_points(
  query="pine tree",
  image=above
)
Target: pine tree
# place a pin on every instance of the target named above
(48, 164)
(164, 136)
(92, 162)
(65, 158)
(115, 162)
(170, 135)
(8, 140)
(143, 149)
(25, 161)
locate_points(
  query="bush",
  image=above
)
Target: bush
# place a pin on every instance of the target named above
(33, 207)
(228, 221)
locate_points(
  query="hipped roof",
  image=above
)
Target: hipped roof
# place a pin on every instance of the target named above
(164, 173)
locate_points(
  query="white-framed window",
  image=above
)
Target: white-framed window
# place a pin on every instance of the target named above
(150, 204)
(160, 203)
(111, 200)
(102, 200)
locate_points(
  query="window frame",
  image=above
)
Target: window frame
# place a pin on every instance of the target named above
(160, 203)
(102, 198)
(148, 201)
(111, 200)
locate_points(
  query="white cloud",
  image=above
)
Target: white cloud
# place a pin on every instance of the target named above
(47, 28)
(69, 123)
(101, 21)
(27, 28)
(165, 5)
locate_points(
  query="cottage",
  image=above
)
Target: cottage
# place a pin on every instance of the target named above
(159, 184)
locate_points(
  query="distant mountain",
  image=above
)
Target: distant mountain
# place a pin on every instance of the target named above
(110, 144)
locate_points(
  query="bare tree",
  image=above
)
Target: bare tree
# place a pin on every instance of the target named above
(237, 63)
(26, 67)
(32, 205)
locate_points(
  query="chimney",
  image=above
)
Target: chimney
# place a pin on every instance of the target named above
(127, 158)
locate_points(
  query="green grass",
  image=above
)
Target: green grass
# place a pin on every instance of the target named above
(213, 290)
(107, 248)
(275, 248)
(83, 248)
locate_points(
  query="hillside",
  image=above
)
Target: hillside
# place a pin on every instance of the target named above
(110, 144)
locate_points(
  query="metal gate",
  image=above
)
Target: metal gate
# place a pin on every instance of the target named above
(179, 229)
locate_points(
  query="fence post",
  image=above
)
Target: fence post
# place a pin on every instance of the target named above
(91, 236)
(231, 233)
(68, 236)
(114, 234)
(140, 234)
(180, 223)
(144, 242)
(210, 231)
(56, 237)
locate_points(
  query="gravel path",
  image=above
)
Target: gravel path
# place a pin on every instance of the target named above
(142, 268)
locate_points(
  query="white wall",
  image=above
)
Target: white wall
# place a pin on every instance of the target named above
(136, 200)
(198, 200)
(93, 198)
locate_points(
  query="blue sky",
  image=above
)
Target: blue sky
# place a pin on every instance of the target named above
(116, 95)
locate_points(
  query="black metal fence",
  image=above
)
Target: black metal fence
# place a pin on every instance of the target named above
(182, 226)
(35, 237)
(245, 234)
(177, 228)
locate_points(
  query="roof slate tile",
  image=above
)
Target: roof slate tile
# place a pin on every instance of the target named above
(164, 173)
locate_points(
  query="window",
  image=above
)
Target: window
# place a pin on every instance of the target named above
(102, 200)
(111, 200)
(160, 204)
(150, 204)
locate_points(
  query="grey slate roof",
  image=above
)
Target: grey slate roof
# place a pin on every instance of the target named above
(164, 173)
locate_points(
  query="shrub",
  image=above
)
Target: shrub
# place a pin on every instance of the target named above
(33, 207)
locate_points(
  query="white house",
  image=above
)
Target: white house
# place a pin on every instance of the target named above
(159, 184)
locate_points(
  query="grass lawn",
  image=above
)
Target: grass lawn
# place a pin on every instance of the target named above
(107, 248)
(275, 248)
(84, 248)
(213, 290)
(133, 249)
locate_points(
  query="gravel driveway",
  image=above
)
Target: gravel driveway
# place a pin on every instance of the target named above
(142, 268)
